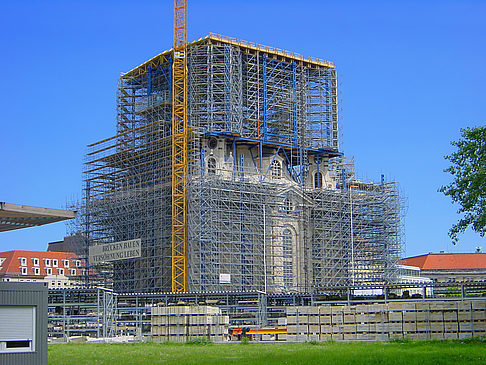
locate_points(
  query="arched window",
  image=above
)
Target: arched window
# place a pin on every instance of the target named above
(287, 243)
(318, 180)
(276, 169)
(211, 165)
(288, 206)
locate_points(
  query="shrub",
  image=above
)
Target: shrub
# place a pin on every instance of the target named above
(198, 341)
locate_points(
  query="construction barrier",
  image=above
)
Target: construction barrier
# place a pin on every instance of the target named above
(186, 323)
(451, 319)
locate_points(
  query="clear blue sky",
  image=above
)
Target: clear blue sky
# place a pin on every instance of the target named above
(411, 74)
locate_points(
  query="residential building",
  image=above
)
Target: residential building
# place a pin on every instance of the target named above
(446, 267)
(59, 269)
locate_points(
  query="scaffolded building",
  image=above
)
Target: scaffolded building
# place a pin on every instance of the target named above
(273, 205)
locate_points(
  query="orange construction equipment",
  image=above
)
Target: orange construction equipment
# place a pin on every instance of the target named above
(179, 149)
(256, 331)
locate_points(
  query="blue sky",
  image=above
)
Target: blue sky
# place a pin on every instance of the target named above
(411, 74)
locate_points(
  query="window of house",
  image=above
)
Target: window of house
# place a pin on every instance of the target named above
(78, 263)
(60, 271)
(287, 272)
(36, 271)
(211, 165)
(23, 261)
(318, 180)
(35, 261)
(73, 272)
(276, 169)
(23, 270)
(65, 263)
(47, 262)
(288, 206)
(54, 262)
(287, 250)
(17, 332)
(49, 271)
(287, 243)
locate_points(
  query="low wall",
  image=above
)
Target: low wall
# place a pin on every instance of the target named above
(445, 319)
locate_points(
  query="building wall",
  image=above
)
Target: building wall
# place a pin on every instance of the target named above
(53, 281)
(458, 275)
(28, 294)
(75, 243)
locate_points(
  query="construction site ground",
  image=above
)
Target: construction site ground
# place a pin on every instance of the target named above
(399, 352)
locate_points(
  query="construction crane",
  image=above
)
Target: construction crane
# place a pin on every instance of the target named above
(179, 149)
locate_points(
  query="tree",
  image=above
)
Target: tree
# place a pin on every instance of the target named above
(468, 167)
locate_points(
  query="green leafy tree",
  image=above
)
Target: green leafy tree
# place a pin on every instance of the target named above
(468, 189)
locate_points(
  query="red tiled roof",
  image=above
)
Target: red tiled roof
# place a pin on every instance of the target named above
(12, 263)
(447, 261)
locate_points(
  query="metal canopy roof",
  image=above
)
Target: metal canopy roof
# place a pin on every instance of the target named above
(14, 216)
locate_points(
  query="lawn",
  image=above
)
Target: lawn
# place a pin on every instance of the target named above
(420, 352)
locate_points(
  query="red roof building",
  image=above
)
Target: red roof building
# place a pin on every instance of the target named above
(443, 267)
(59, 269)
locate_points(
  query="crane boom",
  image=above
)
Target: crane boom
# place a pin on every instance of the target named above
(179, 149)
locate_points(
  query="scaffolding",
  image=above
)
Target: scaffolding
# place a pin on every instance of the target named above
(272, 204)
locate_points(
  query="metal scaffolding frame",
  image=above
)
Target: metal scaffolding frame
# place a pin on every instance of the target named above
(89, 312)
(361, 225)
(98, 312)
(272, 205)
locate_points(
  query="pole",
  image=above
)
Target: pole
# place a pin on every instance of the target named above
(352, 235)
(264, 250)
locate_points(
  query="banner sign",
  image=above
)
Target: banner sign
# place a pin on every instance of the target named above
(225, 278)
(115, 251)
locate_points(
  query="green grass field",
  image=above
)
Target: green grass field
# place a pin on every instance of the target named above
(421, 352)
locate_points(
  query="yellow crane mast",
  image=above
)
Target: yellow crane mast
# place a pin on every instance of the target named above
(179, 149)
